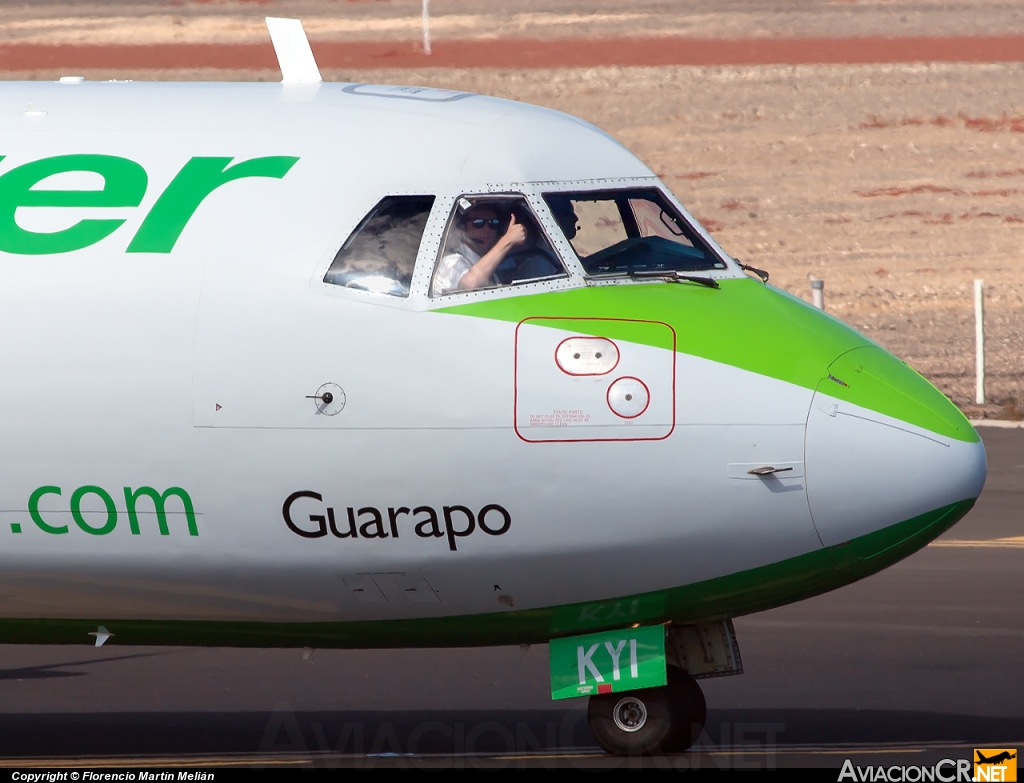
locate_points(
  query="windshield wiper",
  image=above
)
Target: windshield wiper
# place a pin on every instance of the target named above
(676, 277)
(708, 282)
(668, 275)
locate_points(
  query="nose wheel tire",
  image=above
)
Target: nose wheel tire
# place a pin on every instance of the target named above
(650, 721)
(690, 710)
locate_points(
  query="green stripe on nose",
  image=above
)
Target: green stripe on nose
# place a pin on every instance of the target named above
(873, 379)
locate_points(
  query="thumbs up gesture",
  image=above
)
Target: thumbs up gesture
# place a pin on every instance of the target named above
(516, 232)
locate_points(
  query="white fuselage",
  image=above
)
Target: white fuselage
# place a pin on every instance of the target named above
(195, 369)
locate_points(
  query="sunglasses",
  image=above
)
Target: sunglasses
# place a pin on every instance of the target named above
(494, 223)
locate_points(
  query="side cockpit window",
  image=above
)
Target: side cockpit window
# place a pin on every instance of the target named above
(638, 231)
(490, 242)
(380, 254)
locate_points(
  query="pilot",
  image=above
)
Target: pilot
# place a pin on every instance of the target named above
(565, 215)
(531, 260)
(473, 262)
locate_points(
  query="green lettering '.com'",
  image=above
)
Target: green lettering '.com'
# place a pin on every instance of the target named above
(33, 511)
(159, 502)
(110, 512)
(108, 504)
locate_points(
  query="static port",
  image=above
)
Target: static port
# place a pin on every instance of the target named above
(628, 397)
(586, 356)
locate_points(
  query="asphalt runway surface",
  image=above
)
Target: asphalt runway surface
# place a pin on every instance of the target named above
(918, 663)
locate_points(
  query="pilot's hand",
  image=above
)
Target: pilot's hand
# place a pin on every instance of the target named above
(516, 233)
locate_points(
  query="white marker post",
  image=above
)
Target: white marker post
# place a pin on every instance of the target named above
(818, 293)
(426, 26)
(979, 341)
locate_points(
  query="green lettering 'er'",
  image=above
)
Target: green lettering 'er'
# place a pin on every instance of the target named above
(197, 179)
(124, 185)
(159, 502)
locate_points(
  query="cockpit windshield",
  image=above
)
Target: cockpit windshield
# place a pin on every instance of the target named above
(493, 241)
(626, 231)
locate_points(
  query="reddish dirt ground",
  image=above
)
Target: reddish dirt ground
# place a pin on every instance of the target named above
(892, 167)
(512, 53)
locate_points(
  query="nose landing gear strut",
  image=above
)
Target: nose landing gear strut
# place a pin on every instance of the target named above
(669, 718)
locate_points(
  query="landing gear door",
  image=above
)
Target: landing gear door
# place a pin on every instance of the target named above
(594, 379)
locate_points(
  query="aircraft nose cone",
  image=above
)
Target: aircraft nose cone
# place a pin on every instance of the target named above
(885, 447)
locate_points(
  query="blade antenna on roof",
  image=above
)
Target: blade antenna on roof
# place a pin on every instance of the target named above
(294, 55)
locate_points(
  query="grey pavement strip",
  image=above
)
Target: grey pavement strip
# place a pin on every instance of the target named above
(961, 631)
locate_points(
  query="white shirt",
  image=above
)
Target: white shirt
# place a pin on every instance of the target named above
(451, 269)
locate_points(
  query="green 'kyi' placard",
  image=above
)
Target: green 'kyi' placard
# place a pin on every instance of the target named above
(608, 662)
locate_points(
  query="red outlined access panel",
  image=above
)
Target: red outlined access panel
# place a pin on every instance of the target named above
(575, 383)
